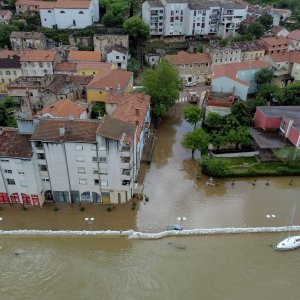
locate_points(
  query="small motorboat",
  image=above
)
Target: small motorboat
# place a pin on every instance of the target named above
(290, 243)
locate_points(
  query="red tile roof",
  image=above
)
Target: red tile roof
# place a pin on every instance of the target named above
(66, 67)
(13, 144)
(230, 70)
(38, 55)
(66, 4)
(131, 108)
(286, 57)
(63, 109)
(88, 65)
(276, 41)
(184, 58)
(115, 79)
(294, 35)
(7, 53)
(91, 56)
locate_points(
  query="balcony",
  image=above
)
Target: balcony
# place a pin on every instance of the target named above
(126, 174)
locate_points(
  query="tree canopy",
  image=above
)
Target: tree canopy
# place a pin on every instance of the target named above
(163, 85)
(196, 140)
(263, 76)
(290, 95)
(256, 29)
(137, 29)
(192, 114)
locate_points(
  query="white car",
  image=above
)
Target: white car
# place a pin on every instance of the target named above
(190, 84)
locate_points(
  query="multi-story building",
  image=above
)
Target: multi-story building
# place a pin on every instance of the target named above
(10, 69)
(224, 55)
(21, 40)
(62, 14)
(118, 56)
(190, 17)
(250, 50)
(29, 7)
(39, 62)
(275, 44)
(75, 161)
(191, 67)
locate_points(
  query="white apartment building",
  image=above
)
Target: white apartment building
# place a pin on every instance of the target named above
(71, 161)
(190, 17)
(62, 14)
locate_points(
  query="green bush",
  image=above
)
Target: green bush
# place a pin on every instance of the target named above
(214, 167)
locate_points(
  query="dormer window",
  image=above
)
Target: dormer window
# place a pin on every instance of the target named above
(62, 11)
(81, 12)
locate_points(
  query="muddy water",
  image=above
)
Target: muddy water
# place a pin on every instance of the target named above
(229, 267)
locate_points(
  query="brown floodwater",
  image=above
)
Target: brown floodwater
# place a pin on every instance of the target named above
(229, 267)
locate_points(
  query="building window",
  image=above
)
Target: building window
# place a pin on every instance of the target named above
(43, 168)
(95, 171)
(82, 181)
(104, 183)
(81, 169)
(4, 160)
(39, 144)
(62, 12)
(8, 171)
(102, 159)
(103, 171)
(21, 172)
(41, 156)
(95, 159)
(45, 179)
(7, 72)
(96, 181)
(49, 11)
(79, 158)
(10, 181)
(81, 12)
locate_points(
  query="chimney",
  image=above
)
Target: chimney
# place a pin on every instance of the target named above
(62, 130)
(137, 112)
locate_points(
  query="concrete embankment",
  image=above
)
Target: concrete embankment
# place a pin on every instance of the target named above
(145, 235)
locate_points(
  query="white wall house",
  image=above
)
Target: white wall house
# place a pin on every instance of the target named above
(119, 56)
(69, 14)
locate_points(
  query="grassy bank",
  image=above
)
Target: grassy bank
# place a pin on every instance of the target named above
(251, 167)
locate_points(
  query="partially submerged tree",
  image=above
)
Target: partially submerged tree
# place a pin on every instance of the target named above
(163, 85)
(192, 114)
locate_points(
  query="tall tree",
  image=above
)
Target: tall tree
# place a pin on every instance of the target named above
(267, 91)
(263, 76)
(163, 85)
(239, 136)
(214, 120)
(196, 140)
(266, 20)
(256, 29)
(242, 113)
(192, 114)
(290, 95)
(3, 116)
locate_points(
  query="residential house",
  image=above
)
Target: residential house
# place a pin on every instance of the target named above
(106, 83)
(294, 37)
(84, 56)
(119, 56)
(5, 16)
(65, 109)
(21, 40)
(276, 124)
(19, 179)
(65, 14)
(279, 31)
(104, 42)
(189, 17)
(133, 108)
(295, 59)
(237, 78)
(10, 69)
(223, 54)
(93, 68)
(28, 7)
(275, 44)
(250, 50)
(191, 67)
(39, 62)
(152, 59)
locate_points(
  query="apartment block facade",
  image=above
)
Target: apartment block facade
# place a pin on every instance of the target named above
(190, 17)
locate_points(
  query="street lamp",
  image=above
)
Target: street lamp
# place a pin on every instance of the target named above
(89, 221)
(269, 217)
(179, 226)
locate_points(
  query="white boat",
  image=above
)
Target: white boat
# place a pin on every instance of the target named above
(291, 242)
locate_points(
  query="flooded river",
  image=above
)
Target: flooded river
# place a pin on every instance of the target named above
(207, 267)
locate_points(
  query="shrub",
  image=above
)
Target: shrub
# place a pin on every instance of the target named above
(215, 167)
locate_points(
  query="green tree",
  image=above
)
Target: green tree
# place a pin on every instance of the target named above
(263, 76)
(253, 103)
(267, 91)
(214, 167)
(240, 137)
(290, 95)
(241, 111)
(134, 66)
(192, 114)
(115, 14)
(214, 120)
(196, 140)
(256, 29)
(266, 20)
(5, 31)
(3, 116)
(98, 110)
(218, 139)
(163, 85)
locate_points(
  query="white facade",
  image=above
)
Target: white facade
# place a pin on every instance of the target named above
(66, 18)
(37, 68)
(118, 58)
(173, 18)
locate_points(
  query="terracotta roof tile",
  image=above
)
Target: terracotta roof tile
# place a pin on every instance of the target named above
(183, 57)
(38, 55)
(7, 53)
(294, 35)
(13, 144)
(63, 109)
(276, 41)
(286, 57)
(132, 108)
(66, 67)
(87, 65)
(75, 131)
(115, 79)
(116, 130)
(91, 56)
(230, 70)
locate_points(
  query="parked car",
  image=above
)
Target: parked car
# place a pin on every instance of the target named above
(189, 84)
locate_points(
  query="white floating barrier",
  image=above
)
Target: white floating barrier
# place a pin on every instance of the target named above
(144, 235)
